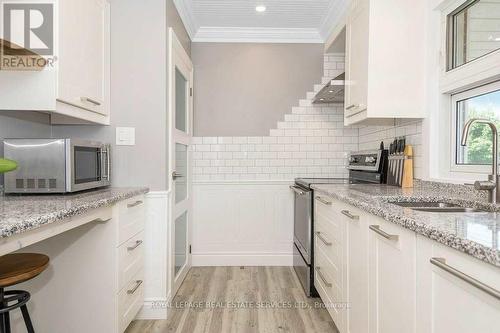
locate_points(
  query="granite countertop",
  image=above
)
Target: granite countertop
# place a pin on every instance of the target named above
(476, 234)
(21, 213)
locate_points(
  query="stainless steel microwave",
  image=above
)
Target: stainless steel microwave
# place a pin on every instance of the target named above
(57, 165)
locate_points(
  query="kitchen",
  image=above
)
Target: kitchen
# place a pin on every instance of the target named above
(262, 166)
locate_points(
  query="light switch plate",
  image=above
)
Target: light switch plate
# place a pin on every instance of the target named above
(125, 136)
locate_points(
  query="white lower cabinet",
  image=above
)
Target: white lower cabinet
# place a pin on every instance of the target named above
(391, 274)
(329, 259)
(357, 269)
(394, 280)
(453, 291)
(130, 254)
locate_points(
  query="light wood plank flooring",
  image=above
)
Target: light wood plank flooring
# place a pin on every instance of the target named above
(232, 289)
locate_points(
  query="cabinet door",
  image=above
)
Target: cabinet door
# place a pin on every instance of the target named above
(392, 278)
(357, 269)
(356, 90)
(83, 61)
(447, 303)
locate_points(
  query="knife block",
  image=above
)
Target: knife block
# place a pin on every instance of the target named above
(400, 170)
(407, 179)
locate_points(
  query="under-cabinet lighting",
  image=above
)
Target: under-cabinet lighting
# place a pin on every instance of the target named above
(260, 8)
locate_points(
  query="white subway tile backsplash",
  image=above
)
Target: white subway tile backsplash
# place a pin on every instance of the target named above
(310, 141)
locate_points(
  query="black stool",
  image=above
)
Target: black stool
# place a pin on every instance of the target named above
(14, 269)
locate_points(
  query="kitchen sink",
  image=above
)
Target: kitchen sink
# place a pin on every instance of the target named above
(437, 207)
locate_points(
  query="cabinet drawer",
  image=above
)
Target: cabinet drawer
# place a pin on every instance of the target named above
(325, 206)
(327, 236)
(331, 273)
(130, 300)
(131, 218)
(327, 279)
(130, 259)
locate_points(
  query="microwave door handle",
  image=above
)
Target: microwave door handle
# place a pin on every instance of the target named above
(105, 162)
(108, 162)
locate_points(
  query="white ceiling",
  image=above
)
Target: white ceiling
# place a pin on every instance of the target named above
(307, 21)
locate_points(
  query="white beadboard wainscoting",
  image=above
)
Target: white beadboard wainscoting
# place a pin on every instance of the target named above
(156, 239)
(242, 224)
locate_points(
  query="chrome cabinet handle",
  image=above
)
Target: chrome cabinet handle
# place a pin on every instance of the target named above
(352, 106)
(137, 203)
(297, 190)
(327, 243)
(382, 233)
(349, 215)
(137, 285)
(323, 201)
(133, 247)
(441, 263)
(90, 100)
(318, 270)
(176, 175)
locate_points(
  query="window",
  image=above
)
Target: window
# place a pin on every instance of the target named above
(473, 31)
(482, 102)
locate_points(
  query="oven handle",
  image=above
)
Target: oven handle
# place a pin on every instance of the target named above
(297, 190)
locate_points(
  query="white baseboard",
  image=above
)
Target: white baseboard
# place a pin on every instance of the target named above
(201, 260)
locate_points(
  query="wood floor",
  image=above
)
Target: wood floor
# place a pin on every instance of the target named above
(245, 299)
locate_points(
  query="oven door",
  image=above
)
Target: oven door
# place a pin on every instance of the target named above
(303, 222)
(89, 164)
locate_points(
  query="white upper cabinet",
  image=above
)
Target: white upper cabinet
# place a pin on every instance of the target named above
(83, 66)
(385, 61)
(75, 89)
(356, 91)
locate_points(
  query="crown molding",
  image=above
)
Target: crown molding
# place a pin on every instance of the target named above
(257, 35)
(335, 16)
(185, 11)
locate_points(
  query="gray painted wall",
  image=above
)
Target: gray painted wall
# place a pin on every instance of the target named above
(174, 21)
(243, 89)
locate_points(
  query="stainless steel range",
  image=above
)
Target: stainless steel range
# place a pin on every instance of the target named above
(364, 167)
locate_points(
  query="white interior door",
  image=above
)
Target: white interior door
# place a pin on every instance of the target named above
(180, 125)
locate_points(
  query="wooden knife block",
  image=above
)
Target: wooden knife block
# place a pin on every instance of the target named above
(407, 180)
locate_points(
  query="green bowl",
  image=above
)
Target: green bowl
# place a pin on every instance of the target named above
(7, 165)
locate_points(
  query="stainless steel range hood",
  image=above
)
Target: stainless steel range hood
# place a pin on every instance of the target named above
(332, 92)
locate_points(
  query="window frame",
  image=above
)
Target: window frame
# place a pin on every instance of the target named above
(441, 125)
(455, 98)
(450, 37)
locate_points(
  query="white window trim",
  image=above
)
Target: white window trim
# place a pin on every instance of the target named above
(475, 73)
(454, 167)
(466, 78)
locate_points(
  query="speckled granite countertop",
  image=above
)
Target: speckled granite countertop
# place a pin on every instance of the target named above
(21, 213)
(477, 234)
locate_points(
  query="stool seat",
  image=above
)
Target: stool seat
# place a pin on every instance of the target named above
(19, 267)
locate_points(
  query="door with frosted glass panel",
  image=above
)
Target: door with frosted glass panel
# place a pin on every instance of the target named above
(180, 116)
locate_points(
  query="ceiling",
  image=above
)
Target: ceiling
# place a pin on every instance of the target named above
(286, 21)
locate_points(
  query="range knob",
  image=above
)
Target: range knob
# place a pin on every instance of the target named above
(353, 159)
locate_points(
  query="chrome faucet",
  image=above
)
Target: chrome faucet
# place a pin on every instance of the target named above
(492, 184)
